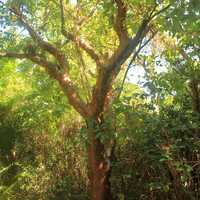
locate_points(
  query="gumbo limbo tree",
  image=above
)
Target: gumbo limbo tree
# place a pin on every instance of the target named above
(85, 42)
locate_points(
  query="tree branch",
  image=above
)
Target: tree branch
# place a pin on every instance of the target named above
(159, 12)
(63, 79)
(12, 55)
(43, 44)
(91, 13)
(119, 24)
(50, 67)
(112, 68)
(66, 85)
(85, 45)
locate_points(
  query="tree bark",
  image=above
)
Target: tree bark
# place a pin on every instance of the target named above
(99, 163)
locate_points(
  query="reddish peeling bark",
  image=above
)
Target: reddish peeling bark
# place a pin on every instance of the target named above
(99, 166)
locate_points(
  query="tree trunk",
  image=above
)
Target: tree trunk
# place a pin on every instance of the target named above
(99, 164)
(179, 191)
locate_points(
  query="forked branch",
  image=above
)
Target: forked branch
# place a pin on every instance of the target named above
(52, 68)
(113, 66)
(43, 44)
